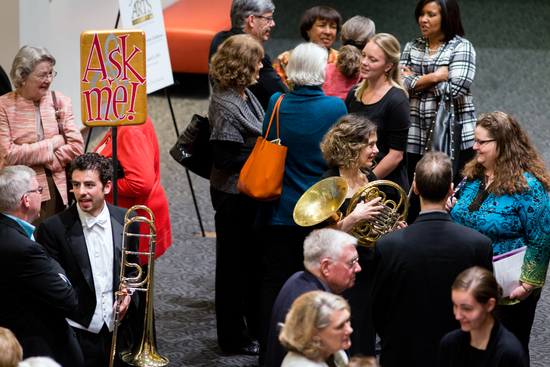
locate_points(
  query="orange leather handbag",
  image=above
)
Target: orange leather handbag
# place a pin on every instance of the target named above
(261, 177)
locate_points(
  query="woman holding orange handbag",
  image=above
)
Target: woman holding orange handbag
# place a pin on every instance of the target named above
(235, 123)
(305, 115)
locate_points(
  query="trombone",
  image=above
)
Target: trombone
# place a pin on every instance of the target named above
(145, 353)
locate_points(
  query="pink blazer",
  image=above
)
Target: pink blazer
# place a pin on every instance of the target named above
(18, 145)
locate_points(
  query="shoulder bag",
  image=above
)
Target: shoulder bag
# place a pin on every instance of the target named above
(193, 149)
(445, 133)
(261, 177)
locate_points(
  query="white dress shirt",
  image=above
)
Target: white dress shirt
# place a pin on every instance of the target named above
(98, 234)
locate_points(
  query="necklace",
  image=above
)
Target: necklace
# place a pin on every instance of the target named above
(435, 49)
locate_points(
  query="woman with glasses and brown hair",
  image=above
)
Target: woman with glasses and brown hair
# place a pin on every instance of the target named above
(30, 133)
(505, 197)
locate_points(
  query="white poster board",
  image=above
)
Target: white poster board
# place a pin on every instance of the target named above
(147, 15)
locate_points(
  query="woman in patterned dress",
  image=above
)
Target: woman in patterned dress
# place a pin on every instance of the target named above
(318, 25)
(505, 197)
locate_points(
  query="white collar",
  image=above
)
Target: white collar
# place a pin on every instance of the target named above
(88, 220)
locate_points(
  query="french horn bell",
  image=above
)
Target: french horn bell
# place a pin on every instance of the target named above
(322, 202)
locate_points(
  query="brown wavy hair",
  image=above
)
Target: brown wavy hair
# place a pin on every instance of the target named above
(342, 144)
(515, 155)
(233, 65)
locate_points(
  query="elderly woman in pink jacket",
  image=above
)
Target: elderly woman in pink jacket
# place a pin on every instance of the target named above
(32, 133)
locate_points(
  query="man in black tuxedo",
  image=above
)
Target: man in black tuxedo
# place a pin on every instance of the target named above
(86, 239)
(254, 17)
(331, 263)
(35, 294)
(414, 268)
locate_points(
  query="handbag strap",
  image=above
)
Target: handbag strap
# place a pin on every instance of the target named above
(276, 108)
(58, 118)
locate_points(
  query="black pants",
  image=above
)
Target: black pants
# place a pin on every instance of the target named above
(284, 257)
(96, 348)
(518, 319)
(414, 203)
(239, 262)
(363, 338)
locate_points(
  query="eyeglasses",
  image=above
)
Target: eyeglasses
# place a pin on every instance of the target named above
(482, 142)
(39, 190)
(46, 75)
(269, 19)
(351, 264)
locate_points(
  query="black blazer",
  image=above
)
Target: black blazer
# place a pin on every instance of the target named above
(63, 238)
(412, 272)
(298, 284)
(34, 299)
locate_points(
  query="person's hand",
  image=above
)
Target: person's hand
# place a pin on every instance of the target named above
(57, 141)
(399, 225)
(405, 71)
(520, 292)
(367, 211)
(442, 74)
(450, 203)
(123, 306)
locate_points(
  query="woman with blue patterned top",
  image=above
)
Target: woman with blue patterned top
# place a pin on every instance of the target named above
(505, 197)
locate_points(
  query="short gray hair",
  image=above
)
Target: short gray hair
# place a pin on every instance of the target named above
(15, 181)
(307, 65)
(325, 243)
(25, 62)
(242, 9)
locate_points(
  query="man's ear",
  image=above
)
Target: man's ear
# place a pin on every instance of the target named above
(250, 21)
(108, 187)
(26, 200)
(325, 266)
(415, 190)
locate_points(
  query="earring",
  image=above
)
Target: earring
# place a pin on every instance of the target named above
(386, 75)
(23, 83)
(318, 343)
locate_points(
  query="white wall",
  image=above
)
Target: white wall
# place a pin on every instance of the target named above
(57, 25)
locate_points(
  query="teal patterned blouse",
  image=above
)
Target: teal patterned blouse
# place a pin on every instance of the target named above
(511, 222)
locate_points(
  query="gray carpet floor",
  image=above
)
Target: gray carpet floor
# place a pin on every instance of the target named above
(513, 53)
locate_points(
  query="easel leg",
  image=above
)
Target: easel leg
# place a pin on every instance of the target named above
(186, 170)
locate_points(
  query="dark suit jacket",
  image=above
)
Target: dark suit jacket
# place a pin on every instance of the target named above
(269, 83)
(63, 238)
(298, 284)
(412, 272)
(34, 299)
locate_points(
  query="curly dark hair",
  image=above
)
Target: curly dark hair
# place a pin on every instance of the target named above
(342, 144)
(515, 155)
(234, 64)
(94, 162)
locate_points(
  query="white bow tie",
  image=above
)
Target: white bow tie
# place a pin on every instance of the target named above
(92, 221)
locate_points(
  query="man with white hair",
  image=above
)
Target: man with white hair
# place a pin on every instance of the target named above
(254, 17)
(331, 263)
(36, 295)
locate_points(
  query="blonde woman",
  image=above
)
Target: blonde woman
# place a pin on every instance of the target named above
(317, 331)
(381, 98)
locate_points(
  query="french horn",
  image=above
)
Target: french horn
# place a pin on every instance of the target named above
(322, 202)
